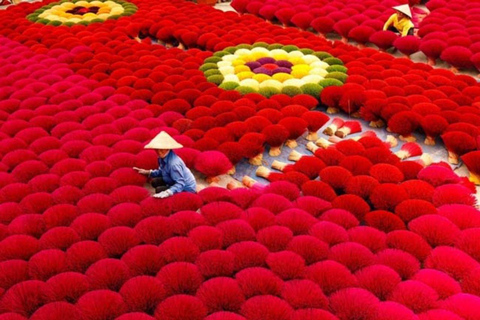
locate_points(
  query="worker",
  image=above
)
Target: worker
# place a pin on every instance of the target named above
(172, 175)
(400, 21)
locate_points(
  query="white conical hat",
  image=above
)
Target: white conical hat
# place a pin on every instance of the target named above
(405, 9)
(163, 141)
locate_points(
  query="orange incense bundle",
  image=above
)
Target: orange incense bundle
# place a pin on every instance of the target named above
(408, 150)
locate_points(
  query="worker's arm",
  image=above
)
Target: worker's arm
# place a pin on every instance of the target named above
(155, 173)
(389, 22)
(145, 172)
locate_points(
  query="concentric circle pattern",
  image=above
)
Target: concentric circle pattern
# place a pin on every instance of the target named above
(81, 12)
(272, 69)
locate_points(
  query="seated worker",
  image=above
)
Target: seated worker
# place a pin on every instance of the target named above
(172, 175)
(401, 21)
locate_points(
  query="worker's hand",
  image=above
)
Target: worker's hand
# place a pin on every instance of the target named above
(142, 171)
(163, 194)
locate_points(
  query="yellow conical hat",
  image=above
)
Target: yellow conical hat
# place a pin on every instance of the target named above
(405, 9)
(163, 141)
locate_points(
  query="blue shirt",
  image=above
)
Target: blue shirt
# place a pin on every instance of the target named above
(175, 174)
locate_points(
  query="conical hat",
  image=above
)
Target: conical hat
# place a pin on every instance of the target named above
(163, 141)
(405, 9)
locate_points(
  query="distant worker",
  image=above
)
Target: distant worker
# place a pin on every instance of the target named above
(401, 21)
(172, 175)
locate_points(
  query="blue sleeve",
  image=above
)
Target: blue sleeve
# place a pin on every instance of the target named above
(178, 175)
(155, 173)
